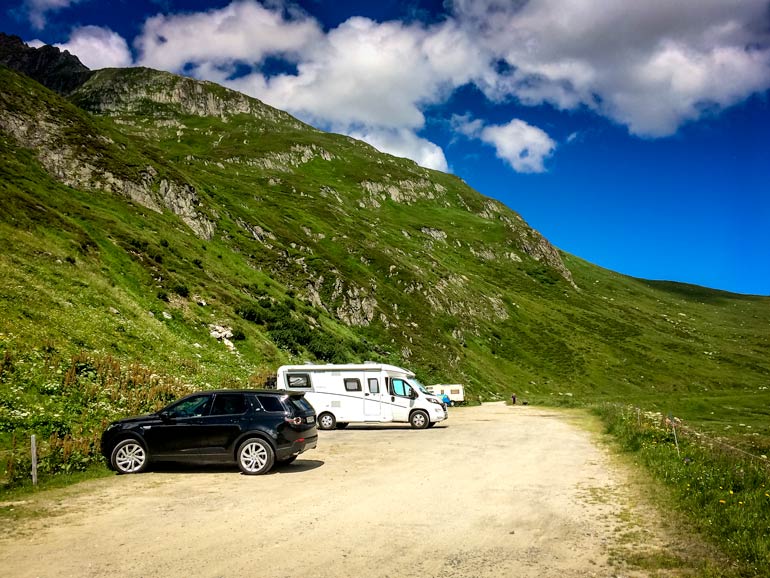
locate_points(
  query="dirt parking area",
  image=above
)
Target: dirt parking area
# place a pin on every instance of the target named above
(495, 491)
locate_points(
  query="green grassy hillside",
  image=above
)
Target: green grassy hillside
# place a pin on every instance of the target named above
(207, 237)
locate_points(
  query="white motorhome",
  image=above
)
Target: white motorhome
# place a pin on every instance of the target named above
(363, 393)
(454, 391)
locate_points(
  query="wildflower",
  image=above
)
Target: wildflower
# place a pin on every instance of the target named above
(731, 492)
(722, 502)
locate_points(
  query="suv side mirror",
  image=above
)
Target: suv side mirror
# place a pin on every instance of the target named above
(166, 415)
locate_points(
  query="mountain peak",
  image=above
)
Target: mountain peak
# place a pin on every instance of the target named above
(56, 69)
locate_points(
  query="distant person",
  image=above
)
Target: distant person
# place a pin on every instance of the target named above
(513, 399)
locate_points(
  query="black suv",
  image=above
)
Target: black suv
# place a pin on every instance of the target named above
(253, 428)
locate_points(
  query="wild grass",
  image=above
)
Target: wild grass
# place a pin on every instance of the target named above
(723, 492)
(66, 404)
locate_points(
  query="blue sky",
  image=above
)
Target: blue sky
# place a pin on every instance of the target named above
(635, 135)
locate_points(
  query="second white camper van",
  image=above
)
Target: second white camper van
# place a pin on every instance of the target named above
(454, 391)
(363, 393)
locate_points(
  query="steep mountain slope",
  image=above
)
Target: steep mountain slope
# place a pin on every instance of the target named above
(162, 214)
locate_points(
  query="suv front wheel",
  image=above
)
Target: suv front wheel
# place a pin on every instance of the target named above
(129, 457)
(255, 456)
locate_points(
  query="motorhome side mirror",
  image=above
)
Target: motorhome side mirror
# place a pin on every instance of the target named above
(413, 395)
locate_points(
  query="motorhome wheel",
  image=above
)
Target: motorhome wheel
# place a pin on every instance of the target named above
(419, 420)
(326, 421)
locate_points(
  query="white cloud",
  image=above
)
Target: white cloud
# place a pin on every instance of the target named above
(521, 145)
(373, 74)
(465, 125)
(98, 48)
(650, 65)
(358, 75)
(38, 9)
(243, 31)
(405, 143)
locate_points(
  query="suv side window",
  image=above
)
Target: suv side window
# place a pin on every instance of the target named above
(191, 407)
(229, 404)
(271, 403)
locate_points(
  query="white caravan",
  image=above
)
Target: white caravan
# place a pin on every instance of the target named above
(454, 391)
(363, 393)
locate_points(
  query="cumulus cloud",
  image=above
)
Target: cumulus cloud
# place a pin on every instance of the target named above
(98, 48)
(651, 66)
(243, 31)
(521, 145)
(376, 74)
(37, 10)
(405, 143)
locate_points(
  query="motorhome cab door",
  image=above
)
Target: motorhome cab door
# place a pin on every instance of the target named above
(400, 398)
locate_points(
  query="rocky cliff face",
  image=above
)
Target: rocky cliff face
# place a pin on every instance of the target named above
(60, 71)
(80, 156)
(143, 91)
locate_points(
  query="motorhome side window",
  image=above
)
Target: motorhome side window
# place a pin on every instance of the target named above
(298, 380)
(352, 385)
(374, 385)
(400, 387)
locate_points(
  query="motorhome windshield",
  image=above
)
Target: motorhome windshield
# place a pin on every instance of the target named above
(419, 386)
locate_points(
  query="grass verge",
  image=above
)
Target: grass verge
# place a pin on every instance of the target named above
(720, 493)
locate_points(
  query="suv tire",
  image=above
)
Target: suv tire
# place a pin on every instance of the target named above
(255, 456)
(129, 457)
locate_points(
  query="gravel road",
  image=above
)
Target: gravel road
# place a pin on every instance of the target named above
(494, 491)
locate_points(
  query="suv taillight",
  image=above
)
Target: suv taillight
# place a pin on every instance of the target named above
(293, 420)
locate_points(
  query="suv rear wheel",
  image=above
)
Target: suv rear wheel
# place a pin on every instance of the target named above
(255, 456)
